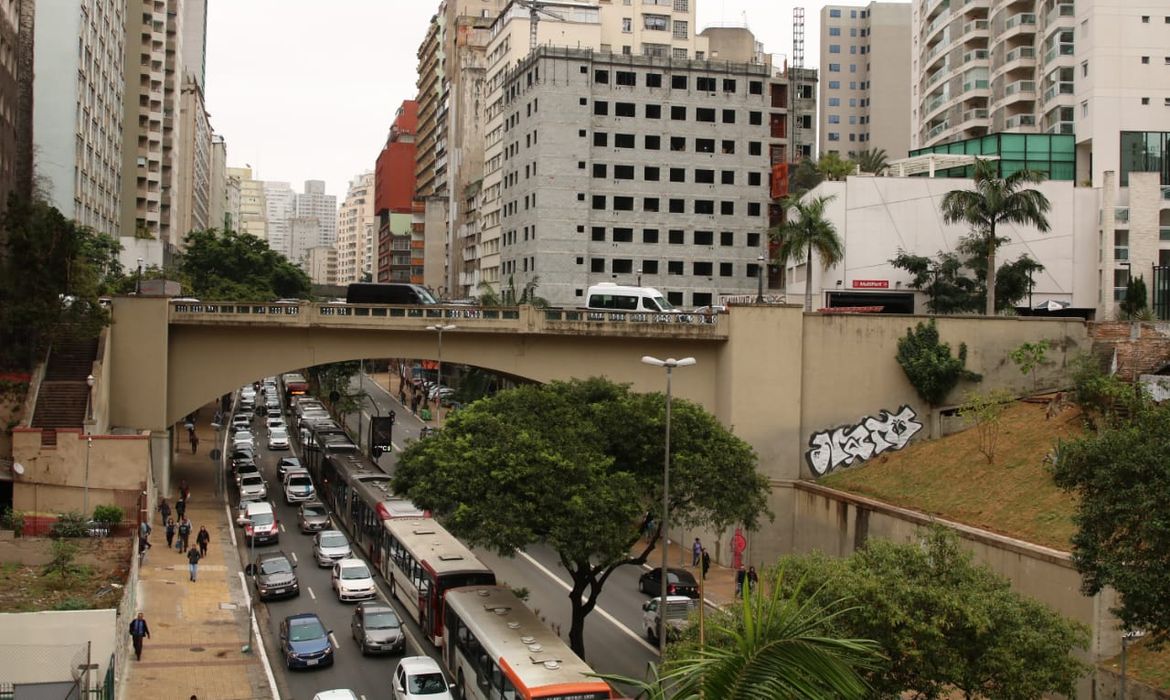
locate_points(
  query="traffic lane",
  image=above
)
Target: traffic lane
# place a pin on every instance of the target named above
(610, 647)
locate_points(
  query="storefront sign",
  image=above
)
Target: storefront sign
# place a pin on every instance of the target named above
(871, 284)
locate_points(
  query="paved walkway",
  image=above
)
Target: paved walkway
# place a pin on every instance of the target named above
(197, 629)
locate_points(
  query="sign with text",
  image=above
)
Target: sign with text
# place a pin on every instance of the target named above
(871, 284)
(381, 430)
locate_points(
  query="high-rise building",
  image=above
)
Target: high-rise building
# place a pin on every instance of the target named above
(321, 265)
(253, 215)
(151, 127)
(217, 195)
(394, 199)
(304, 234)
(16, 79)
(195, 39)
(865, 98)
(279, 208)
(313, 203)
(78, 57)
(194, 163)
(355, 231)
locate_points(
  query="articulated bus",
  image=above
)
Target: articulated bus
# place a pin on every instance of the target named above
(360, 495)
(495, 647)
(422, 562)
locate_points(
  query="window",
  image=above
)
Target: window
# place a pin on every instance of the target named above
(623, 235)
(705, 177)
(625, 77)
(678, 82)
(679, 30)
(852, 67)
(704, 145)
(681, 5)
(678, 113)
(1146, 60)
(705, 206)
(1145, 19)
(701, 269)
(727, 146)
(834, 84)
(600, 138)
(729, 116)
(726, 238)
(623, 109)
(753, 179)
(653, 142)
(583, 101)
(650, 267)
(834, 31)
(1145, 100)
(675, 298)
(623, 204)
(678, 143)
(753, 208)
(728, 85)
(754, 148)
(598, 233)
(657, 23)
(834, 48)
(627, 25)
(677, 206)
(834, 136)
(704, 238)
(581, 133)
(653, 111)
(597, 264)
(649, 235)
(651, 174)
(834, 67)
(678, 174)
(674, 267)
(834, 119)
(834, 13)
(755, 87)
(623, 140)
(675, 237)
(601, 76)
(705, 84)
(653, 80)
(727, 208)
(623, 266)
(834, 102)
(753, 240)
(650, 204)
(599, 170)
(599, 201)
(702, 114)
(727, 177)
(600, 107)
(623, 172)
(726, 269)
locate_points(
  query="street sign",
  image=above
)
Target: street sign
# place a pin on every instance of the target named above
(381, 434)
(215, 455)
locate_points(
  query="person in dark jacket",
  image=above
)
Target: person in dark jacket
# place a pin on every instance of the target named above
(203, 539)
(138, 630)
(706, 562)
(170, 532)
(193, 561)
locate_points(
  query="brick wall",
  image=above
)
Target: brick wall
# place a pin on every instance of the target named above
(1141, 348)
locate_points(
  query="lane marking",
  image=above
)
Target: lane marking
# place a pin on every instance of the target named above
(557, 579)
(294, 557)
(311, 594)
(333, 639)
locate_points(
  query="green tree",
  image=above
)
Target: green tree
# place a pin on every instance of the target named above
(985, 411)
(804, 178)
(1136, 296)
(929, 365)
(335, 382)
(832, 167)
(805, 231)
(1122, 484)
(773, 645)
(943, 623)
(873, 161)
(1013, 280)
(233, 266)
(1028, 357)
(993, 202)
(948, 289)
(576, 466)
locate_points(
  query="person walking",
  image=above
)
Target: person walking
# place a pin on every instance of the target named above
(752, 579)
(696, 552)
(164, 510)
(170, 532)
(194, 442)
(185, 489)
(740, 579)
(706, 562)
(143, 545)
(144, 530)
(184, 534)
(138, 630)
(203, 539)
(180, 509)
(193, 558)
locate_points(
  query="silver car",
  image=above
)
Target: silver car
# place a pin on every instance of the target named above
(377, 629)
(330, 546)
(253, 488)
(313, 517)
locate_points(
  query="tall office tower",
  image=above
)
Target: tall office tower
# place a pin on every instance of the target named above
(662, 33)
(217, 195)
(865, 57)
(16, 84)
(77, 108)
(194, 163)
(251, 213)
(636, 170)
(355, 232)
(151, 129)
(195, 39)
(279, 208)
(394, 200)
(313, 203)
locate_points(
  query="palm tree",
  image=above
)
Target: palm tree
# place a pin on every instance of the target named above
(873, 161)
(805, 231)
(779, 646)
(996, 201)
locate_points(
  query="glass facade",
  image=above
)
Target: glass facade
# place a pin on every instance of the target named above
(1054, 155)
(1145, 152)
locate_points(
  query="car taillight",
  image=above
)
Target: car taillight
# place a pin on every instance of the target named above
(248, 530)
(671, 589)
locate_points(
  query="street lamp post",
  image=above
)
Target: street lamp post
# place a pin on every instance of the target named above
(760, 280)
(89, 381)
(85, 496)
(439, 328)
(669, 363)
(1126, 637)
(138, 280)
(639, 277)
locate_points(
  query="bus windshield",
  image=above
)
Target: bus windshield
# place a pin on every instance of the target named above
(663, 304)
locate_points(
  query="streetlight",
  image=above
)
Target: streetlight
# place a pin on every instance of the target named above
(85, 497)
(138, 280)
(760, 279)
(251, 569)
(669, 363)
(439, 328)
(89, 382)
(639, 277)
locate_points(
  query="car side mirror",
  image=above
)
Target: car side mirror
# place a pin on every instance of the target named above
(645, 607)
(399, 688)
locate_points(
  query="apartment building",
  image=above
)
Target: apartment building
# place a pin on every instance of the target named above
(355, 231)
(195, 39)
(217, 195)
(394, 187)
(279, 209)
(633, 169)
(865, 99)
(16, 79)
(313, 203)
(252, 215)
(78, 112)
(321, 265)
(304, 234)
(193, 163)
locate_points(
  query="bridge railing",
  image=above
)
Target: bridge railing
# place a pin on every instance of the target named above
(631, 317)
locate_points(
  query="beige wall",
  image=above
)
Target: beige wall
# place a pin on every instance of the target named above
(58, 636)
(55, 477)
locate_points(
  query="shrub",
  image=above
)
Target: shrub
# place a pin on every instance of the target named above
(71, 524)
(12, 520)
(985, 411)
(929, 365)
(108, 515)
(1105, 400)
(62, 564)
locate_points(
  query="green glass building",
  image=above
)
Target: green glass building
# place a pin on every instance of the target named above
(1054, 155)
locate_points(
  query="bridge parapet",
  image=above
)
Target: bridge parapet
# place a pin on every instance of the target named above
(522, 319)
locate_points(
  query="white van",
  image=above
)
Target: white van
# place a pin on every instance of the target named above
(260, 523)
(608, 296)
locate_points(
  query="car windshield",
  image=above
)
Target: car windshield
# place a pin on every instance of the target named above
(663, 304)
(251, 481)
(290, 462)
(275, 566)
(351, 573)
(426, 684)
(310, 511)
(382, 621)
(304, 630)
(333, 539)
(262, 519)
(279, 433)
(300, 481)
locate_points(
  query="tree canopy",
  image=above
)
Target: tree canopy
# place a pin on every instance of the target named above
(942, 622)
(806, 231)
(956, 282)
(1122, 480)
(233, 266)
(929, 365)
(576, 466)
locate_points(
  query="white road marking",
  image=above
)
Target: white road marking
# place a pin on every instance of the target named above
(311, 594)
(282, 527)
(334, 640)
(294, 558)
(557, 579)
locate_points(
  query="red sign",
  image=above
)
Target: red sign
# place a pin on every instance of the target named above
(871, 284)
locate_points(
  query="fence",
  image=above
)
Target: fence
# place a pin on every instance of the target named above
(70, 666)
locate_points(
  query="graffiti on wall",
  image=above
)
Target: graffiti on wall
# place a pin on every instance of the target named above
(849, 444)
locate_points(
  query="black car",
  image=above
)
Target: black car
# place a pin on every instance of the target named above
(377, 629)
(678, 582)
(304, 642)
(284, 465)
(241, 456)
(273, 574)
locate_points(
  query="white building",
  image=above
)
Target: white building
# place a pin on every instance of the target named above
(314, 203)
(218, 196)
(356, 229)
(279, 208)
(249, 207)
(321, 265)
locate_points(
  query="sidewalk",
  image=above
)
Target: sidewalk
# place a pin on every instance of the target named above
(390, 382)
(197, 629)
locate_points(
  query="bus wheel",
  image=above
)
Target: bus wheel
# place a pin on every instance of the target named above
(392, 594)
(461, 687)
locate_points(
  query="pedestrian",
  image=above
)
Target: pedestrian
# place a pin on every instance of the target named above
(164, 509)
(740, 578)
(203, 539)
(193, 561)
(170, 532)
(752, 579)
(696, 552)
(184, 534)
(138, 630)
(648, 525)
(414, 401)
(143, 545)
(194, 442)
(185, 489)
(401, 395)
(706, 562)
(144, 530)
(180, 508)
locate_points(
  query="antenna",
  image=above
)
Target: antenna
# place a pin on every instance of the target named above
(795, 76)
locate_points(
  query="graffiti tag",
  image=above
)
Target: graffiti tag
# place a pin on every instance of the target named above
(832, 449)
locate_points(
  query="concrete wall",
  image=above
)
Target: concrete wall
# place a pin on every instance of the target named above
(55, 477)
(50, 642)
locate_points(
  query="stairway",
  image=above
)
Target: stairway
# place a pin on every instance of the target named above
(64, 393)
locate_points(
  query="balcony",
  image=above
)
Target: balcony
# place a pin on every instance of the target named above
(1055, 89)
(1059, 11)
(1020, 121)
(979, 25)
(935, 51)
(1019, 54)
(973, 85)
(1058, 50)
(976, 55)
(937, 129)
(1061, 128)
(939, 21)
(972, 115)
(1121, 215)
(937, 75)
(1166, 193)
(1020, 87)
(935, 103)
(1025, 20)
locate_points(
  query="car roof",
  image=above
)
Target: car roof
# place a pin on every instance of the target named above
(302, 617)
(351, 562)
(265, 556)
(376, 606)
(336, 694)
(419, 664)
(675, 599)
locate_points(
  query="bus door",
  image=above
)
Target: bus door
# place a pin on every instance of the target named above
(425, 607)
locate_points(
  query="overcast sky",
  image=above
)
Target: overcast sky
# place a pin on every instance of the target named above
(307, 89)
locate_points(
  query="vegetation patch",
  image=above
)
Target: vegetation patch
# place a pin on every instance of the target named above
(92, 577)
(1144, 664)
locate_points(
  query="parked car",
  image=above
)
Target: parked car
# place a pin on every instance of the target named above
(253, 488)
(352, 580)
(298, 487)
(286, 464)
(377, 629)
(241, 420)
(273, 575)
(420, 678)
(330, 546)
(305, 642)
(313, 517)
(678, 582)
(241, 456)
(278, 439)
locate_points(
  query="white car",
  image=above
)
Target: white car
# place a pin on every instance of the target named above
(420, 678)
(276, 423)
(298, 487)
(352, 580)
(243, 438)
(253, 488)
(241, 421)
(339, 694)
(278, 439)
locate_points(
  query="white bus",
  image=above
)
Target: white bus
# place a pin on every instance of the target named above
(496, 647)
(422, 562)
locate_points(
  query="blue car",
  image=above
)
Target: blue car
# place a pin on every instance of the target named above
(305, 642)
